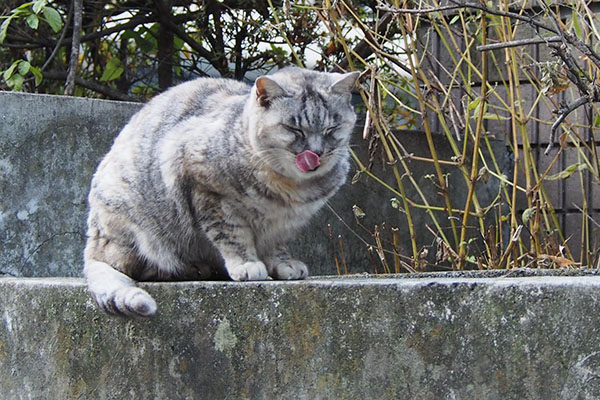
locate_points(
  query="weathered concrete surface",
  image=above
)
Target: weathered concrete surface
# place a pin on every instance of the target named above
(49, 149)
(429, 338)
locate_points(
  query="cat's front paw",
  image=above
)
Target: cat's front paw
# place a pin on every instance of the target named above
(289, 269)
(248, 271)
(129, 301)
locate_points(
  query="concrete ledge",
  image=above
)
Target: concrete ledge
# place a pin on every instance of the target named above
(385, 338)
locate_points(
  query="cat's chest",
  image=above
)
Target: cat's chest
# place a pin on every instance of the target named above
(274, 221)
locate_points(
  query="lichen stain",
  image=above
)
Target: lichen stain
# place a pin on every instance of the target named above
(225, 340)
(3, 354)
(303, 334)
(178, 366)
(78, 390)
(64, 346)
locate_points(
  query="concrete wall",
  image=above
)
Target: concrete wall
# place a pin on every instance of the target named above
(430, 338)
(449, 336)
(50, 147)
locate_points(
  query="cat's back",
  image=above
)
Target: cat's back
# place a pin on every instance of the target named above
(195, 98)
(134, 158)
(199, 98)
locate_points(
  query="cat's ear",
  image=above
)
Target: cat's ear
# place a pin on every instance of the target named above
(344, 83)
(266, 90)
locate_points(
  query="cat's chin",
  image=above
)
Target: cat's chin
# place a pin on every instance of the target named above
(318, 171)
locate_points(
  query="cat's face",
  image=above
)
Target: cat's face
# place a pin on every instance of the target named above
(303, 120)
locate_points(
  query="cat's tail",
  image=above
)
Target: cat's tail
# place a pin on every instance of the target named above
(115, 292)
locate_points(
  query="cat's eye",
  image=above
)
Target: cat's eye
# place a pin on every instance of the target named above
(296, 131)
(329, 131)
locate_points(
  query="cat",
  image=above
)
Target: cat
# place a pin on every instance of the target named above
(210, 179)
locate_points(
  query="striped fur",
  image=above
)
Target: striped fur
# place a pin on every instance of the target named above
(202, 183)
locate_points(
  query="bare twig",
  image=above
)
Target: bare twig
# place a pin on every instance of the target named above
(383, 7)
(371, 107)
(568, 37)
(59, 41)
(564, 112)
(517, 43)
(74, 61)
(367, 46)
(586, 214)
(166, 19)
(573, 71)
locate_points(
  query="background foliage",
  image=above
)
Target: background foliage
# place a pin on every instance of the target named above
(131, 49)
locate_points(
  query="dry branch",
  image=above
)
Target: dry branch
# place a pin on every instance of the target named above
(517, 43)
(74, 60)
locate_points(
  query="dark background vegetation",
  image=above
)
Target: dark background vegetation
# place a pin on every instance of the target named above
(132, 49)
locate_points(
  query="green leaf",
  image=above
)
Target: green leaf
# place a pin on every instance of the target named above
(128, 34)
(527, 214)
(495, 117)
(148, 39)
(567, 172)
(22, 7)
(113, 70)
(474, 103)
(143, 44)
(178, 43)
(52, 18)
(33, 21)
(38, 75)
(9, 72)
(24, 67)
(454, 19)
(38, 5)
(4, 28)
(16, 82)
(576, 25)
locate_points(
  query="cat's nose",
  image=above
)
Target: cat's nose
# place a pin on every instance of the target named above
(318, 151)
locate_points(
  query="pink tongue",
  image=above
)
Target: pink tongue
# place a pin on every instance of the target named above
(307, 161)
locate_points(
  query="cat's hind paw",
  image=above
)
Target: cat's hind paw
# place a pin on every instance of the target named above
(248, 271)
(289, 269)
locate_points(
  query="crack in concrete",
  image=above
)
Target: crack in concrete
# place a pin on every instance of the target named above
(39, 246)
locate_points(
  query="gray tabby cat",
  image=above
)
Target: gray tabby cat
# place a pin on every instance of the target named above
(211, 178)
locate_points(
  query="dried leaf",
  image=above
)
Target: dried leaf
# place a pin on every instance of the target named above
(561, 261)
(358, 212)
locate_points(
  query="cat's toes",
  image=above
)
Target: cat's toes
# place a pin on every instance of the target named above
(289, 269)
(248, 271)
(129, 301)
(140, 303)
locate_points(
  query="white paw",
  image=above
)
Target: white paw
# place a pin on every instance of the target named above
(130, 301)
(140, 302)
(248, 271)
(289, 269)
